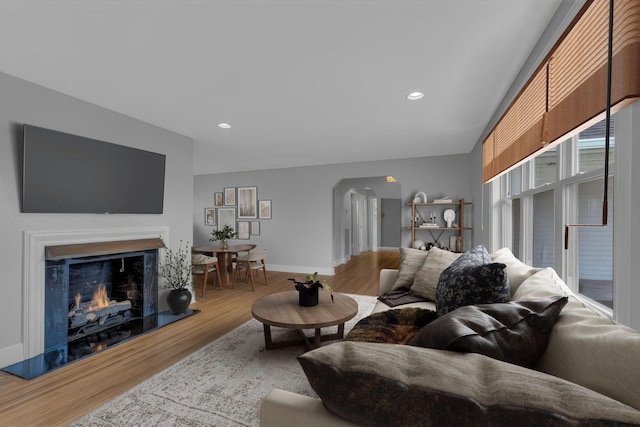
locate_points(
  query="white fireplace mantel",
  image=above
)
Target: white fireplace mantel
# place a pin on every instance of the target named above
(35, 243)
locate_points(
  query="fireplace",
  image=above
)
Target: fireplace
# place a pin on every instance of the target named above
(92, 301)
(94, 295)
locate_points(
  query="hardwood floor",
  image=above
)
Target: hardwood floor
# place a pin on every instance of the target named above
(68, 393)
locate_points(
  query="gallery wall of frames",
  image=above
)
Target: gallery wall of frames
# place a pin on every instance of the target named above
(240, 208)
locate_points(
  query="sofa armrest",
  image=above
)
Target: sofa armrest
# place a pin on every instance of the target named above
(282, 408)
(388, 277)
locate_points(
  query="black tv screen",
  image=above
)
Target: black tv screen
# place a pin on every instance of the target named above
(65, 173)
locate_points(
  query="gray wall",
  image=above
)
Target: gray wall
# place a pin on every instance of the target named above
(23, 102)
(300, 235)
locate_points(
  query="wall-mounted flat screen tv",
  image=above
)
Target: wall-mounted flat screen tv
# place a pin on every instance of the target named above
(65, 173)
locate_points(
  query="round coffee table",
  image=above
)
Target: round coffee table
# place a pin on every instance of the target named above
(282, 309)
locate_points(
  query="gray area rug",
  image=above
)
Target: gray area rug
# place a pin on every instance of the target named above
(222, 384)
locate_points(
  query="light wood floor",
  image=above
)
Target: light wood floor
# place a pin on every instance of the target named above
(68, 393)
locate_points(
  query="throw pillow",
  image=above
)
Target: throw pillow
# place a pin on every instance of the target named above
(397, 385)
(427, 276)
(472, 279)
(515, 332)
(395, 326)
(517, 270)
(410, 262)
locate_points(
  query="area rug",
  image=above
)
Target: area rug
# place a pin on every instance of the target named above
(222, 384)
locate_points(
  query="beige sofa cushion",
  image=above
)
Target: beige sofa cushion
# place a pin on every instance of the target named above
(586, 346)
(427, 277)
(397, 385)
(517, 271)
(410, 262)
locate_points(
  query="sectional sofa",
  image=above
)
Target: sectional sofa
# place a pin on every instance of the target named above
(587, 371)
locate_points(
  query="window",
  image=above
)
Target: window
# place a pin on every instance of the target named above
(515, 221)
(543, 229)
(564, 185)
(595, 244)
(545, 167)
(591, 147)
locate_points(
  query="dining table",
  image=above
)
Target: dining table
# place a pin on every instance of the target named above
(225, 258)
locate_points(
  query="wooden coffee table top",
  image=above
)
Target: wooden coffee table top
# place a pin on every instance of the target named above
(282, 309)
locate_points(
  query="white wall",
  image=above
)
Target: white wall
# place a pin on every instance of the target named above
(23, 102)
(300, 235)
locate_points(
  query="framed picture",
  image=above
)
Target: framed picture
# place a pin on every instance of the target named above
(209, 216)
(217, 199)
(247, 199)
(226, 216)
(230, 196)
(255, 228)
(243, 230)
(264, 209)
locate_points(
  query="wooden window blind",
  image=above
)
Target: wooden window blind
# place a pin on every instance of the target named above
(568, 91)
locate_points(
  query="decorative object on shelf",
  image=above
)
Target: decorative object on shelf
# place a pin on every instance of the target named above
(176, 271)
(223, 235)
(454, 243)
(420, 197)
(449, 215)
(308, 289)
(443, 199)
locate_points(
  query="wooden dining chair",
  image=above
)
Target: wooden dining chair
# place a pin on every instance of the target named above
(202, 265)
(255, 260)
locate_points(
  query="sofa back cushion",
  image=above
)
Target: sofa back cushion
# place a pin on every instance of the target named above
(427, 276)
(397, 385)
(585, 346)
(517, 270)
(411, 261)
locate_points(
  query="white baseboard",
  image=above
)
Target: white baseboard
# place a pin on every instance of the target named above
(10, 355)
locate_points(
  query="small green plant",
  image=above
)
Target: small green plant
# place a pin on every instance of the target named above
(312, 281)
(225, 234)
(176, 268)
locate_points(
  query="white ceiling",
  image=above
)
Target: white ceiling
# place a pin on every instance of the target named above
(301, 82)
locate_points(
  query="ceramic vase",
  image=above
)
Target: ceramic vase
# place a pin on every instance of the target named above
(178, 300)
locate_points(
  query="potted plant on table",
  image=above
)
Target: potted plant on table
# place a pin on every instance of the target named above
(176, 271)
(223, 235)
(308, 289)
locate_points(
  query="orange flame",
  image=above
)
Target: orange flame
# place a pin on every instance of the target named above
(100, 298)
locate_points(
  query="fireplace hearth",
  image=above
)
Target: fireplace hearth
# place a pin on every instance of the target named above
(96, 296)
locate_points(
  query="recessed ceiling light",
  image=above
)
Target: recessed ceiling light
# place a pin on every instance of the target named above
(224, 125)
(414, 96)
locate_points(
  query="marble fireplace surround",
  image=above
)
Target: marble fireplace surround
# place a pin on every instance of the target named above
(35, 244)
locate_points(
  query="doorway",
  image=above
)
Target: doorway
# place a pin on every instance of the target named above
(367, 215)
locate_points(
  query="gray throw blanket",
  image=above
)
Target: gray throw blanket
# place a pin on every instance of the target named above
(399, 297)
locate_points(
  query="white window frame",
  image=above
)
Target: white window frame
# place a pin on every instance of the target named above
(565, 202)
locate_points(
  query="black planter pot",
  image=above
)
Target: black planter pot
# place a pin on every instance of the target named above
(179, 300)
(308, 297)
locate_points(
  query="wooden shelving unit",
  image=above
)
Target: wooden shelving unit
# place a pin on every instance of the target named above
(458, 231)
